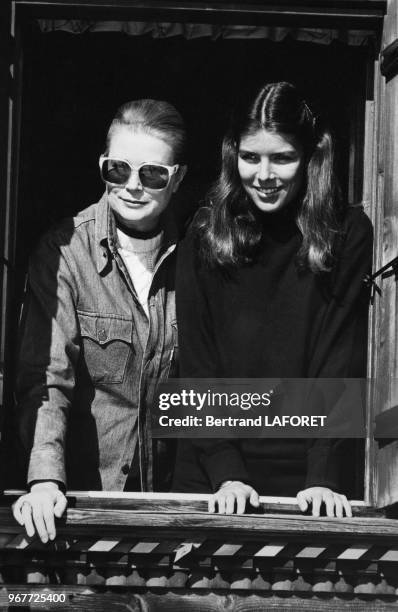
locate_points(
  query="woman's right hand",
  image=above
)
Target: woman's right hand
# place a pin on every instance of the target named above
(233, 494)
(36, 510)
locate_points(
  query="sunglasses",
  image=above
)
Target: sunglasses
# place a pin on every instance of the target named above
(152, 176)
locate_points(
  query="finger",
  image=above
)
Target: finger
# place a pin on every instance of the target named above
(48, 518)
(301, 501)
(346, 505)
(26, 512)
(60, 505)
(16, 510)
(37, 514)
(211, 506)
(254, 499)
(230, 503)
(240, 503)
(329, 500)
(220, 498)
(338, 506)
(316, 504)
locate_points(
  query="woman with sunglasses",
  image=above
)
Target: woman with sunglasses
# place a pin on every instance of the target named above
(270, 285)
(99, 326)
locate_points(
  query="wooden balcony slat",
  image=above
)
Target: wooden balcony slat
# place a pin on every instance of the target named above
(310, 552)
(144, 548)
(390, 555)
(354, 553)
(270, 550)
(227, 550)
(104, 545)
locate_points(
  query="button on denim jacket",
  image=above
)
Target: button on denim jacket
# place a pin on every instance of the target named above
(90, 358)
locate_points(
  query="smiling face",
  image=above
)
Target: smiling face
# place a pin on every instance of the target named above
(270, 166)
(135, 206)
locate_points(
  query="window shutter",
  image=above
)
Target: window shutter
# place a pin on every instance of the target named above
(384, 327)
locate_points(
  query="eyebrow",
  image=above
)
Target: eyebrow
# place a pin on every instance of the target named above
(278, 152)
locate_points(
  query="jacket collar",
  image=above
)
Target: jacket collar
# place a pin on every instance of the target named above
(105, 233)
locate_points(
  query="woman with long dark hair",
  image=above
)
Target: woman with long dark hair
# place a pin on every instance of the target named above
(270, 284)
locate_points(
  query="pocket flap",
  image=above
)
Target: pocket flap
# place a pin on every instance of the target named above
(104, 329)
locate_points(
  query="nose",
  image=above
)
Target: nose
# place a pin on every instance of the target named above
(134, 183)
(264, 170)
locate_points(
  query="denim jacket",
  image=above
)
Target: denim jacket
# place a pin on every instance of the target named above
(90, 357)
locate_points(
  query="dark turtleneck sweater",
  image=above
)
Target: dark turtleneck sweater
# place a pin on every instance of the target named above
(271, 319)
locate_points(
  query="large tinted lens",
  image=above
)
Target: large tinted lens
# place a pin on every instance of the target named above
(154, 177)
(115, 171)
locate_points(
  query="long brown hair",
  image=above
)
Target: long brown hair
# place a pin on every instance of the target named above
(229, 228)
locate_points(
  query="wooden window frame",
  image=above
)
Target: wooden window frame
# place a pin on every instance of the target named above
(382, 188)
(380, 157)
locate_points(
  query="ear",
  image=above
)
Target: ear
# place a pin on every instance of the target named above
(181, 172)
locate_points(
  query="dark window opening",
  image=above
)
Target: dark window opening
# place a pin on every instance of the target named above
(72, 85)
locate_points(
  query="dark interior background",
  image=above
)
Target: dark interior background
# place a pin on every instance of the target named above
(73, 84)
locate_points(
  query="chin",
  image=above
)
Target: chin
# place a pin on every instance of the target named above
(138, 220)
(127, 214)
(270, 207)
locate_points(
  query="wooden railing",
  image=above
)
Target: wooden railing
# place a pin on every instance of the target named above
(154, 552)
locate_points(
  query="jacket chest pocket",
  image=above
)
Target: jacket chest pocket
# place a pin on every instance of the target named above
(106, 346)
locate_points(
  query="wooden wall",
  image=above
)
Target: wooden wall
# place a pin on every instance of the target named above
(386, 234)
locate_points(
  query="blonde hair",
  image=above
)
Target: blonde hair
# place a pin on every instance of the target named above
(152, 116)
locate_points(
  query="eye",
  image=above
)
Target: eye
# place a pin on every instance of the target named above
(284, 158)
(118, 166)
(249, 157)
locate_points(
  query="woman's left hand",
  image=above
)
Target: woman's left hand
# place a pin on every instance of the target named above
(335, 503)
(232, 496)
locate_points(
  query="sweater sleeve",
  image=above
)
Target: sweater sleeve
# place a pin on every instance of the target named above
(340, 348)
(219, 459)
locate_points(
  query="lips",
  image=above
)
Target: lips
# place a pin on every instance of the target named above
(134, 202)
(268, 191)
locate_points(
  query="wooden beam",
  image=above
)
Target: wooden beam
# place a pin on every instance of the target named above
(10, 112)
(173, 502)
(5, 52)
(9, 172)
(124, 523)
(386, 351)
(351, 13)
(138, 599)
(366, 6)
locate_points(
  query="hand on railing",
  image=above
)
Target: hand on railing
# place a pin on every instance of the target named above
(232, 497)
(335, 503)
(36, 510)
